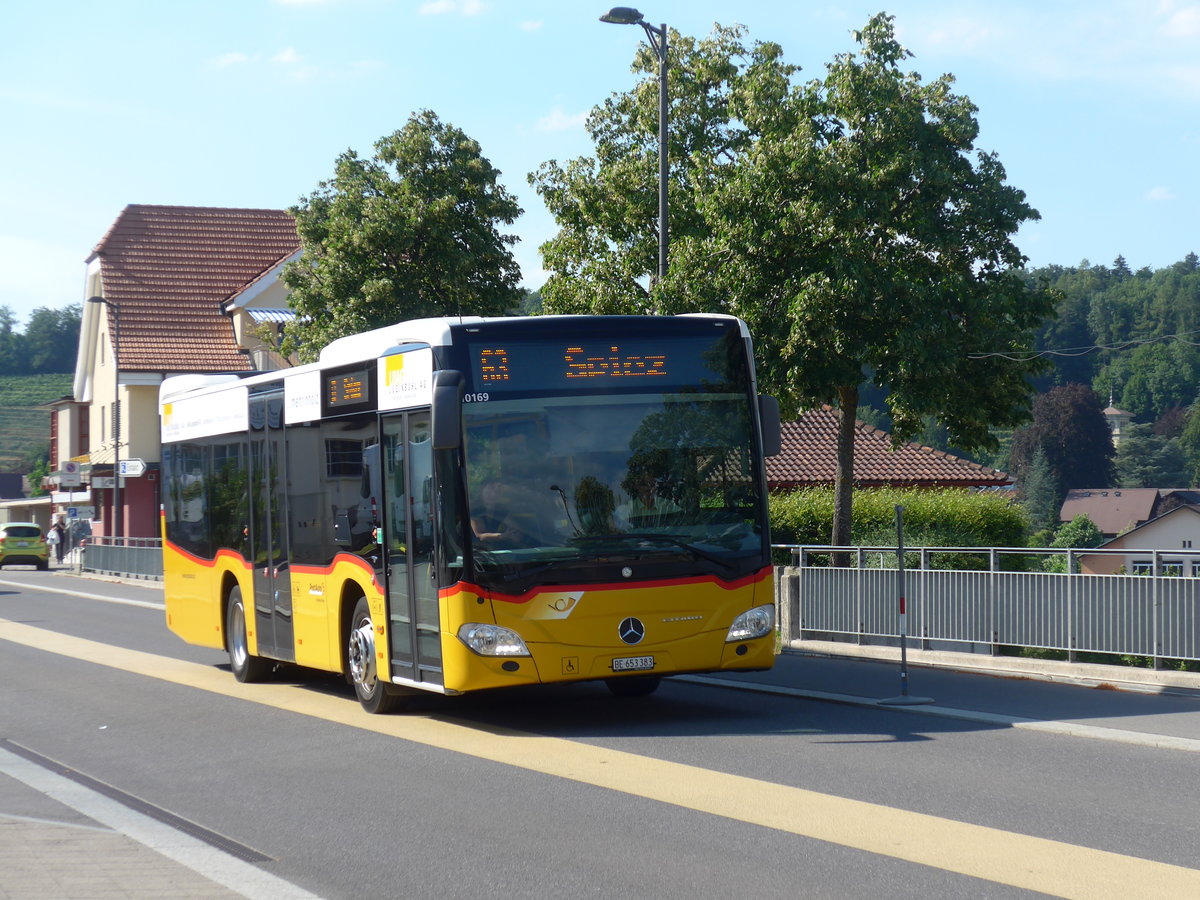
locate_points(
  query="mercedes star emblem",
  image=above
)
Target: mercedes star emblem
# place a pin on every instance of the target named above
(631, 630)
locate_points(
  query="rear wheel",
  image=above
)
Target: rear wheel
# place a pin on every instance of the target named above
(245, 667)
(376, 696)
(634, 685)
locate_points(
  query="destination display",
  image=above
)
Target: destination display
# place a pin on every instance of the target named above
(636, 364)
(348, 390)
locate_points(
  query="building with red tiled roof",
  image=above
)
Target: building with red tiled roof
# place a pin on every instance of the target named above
(166, 270)
(1118, 510)
(169, 289)
(809, 458)
(1167, 541)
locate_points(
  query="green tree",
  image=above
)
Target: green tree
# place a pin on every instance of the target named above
(1041, 494)
(606, 205)
(1189, 443)
(38, 467)
(412, 232)
(52, 339)
(1145, 459)
(1080, 533)
(844, 219)
(13, 360)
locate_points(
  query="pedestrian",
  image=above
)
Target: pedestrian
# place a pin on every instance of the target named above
(57, 538)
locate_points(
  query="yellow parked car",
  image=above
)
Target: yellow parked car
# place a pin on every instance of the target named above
(23, 543)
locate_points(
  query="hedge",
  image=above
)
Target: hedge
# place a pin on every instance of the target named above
(933, 517)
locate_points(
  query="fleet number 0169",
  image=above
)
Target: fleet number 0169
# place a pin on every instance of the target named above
(481, 397)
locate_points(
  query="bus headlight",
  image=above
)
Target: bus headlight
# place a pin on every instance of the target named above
(753, 623)
(492, 640)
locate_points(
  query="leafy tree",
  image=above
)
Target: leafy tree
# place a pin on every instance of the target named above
(844, 219)
(1189, 443)
(531, 303)
(412, 232)
(606, 205)
(37, 472)
(1070, 429)
(12, 344)
(52, 338)
(1080, 533)
(1145, 459)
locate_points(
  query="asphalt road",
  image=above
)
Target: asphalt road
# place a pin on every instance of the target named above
(698, 791)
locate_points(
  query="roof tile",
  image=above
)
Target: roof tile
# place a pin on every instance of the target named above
(809, 458)
(167, 269)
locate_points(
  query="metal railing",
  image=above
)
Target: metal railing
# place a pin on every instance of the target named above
(1007, 602)
(122, 557)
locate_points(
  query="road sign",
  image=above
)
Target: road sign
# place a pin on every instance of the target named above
(133, 467)
(81, 512)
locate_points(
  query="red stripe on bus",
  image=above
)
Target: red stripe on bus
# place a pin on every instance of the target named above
(210, 563)
(752, 578)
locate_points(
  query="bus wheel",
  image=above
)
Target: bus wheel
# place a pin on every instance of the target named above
(375, 696)
(245, 667)
(634, 685)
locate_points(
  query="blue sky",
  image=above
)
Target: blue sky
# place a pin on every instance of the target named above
(1093, 108)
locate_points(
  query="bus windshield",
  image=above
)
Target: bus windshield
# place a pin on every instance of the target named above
(558, 485)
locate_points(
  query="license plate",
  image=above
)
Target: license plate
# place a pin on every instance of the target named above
(632, 663)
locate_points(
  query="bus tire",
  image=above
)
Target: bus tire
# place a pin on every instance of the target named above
(376, 696)
(245, 667)
(633, 685)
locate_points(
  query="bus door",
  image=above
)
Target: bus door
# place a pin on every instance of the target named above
(415, 625)
(268, 528)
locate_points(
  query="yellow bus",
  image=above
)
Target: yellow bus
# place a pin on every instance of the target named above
(456, 504)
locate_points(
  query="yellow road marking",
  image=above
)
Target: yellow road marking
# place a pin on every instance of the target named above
(1038, 864)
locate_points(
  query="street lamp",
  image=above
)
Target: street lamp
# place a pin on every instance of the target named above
(116, 330)
(625, 15)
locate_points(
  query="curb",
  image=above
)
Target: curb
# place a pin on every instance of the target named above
(1125, 678)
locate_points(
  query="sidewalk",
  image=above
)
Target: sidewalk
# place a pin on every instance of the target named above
(52, 850)
(1143, 707)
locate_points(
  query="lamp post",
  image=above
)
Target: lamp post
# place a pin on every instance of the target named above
(657, 37)
(116, 330)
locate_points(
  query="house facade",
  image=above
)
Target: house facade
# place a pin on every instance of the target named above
(1171, 540)
(1118, 510)
(169, 290)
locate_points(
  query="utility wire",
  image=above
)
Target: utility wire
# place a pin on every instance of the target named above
(1027, 355)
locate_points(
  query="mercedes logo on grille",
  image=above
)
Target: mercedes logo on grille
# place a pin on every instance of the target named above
(631, 630)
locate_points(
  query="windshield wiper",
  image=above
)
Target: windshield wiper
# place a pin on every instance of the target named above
(659, 538)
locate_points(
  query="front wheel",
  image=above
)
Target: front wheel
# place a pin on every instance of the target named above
(375, 696)
(244, 666)
(633, 685)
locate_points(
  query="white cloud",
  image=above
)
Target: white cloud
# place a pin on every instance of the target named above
(1182, 23)
(558, 120)
(1159, 194)
(1185, 76)
(287, 57)
(445, 7)
(229, 59)
(531, 26)
(960, 33)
